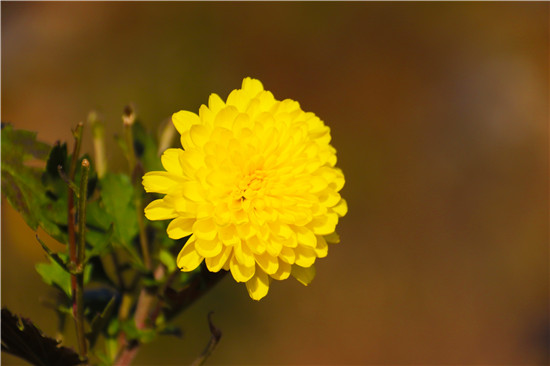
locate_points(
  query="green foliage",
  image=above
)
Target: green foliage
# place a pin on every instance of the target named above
(117, 196)
(55, 274)
(36, 182)
(22, 183)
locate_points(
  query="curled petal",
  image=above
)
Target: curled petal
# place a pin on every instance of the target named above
(180, 227)
(252, 87)
(287, 254)
(306, 237)
(161, 182)
(240, 272)
(321, 250)
(325, 224)
(183, 120)
(171, 161)
(282, 272)
(205, 229)
(188, 258)
(216, 263)
(160, 210)
(341, 208)
(215, 103)
(305, 256)
(258, 285)
(208, 248)
(268, 263)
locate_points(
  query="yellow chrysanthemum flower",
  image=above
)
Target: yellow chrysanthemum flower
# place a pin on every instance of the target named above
(255, 186)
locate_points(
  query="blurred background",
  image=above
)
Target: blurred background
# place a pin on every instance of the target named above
(439, 113)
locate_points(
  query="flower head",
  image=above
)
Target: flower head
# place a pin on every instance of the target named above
(255, 186)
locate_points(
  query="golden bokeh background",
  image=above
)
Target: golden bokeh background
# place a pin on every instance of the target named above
(439, 113)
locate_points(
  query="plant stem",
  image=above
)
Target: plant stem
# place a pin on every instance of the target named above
(98, 134)
(81, 249)
(71, 227)
(128, 119)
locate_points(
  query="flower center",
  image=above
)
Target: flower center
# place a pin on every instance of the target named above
(251, 185)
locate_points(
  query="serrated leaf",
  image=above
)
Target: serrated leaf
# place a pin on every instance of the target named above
(21, 183)
(21, 338)
(54, 275)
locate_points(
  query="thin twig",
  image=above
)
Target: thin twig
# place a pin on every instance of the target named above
(67, 181)
(98, 134)
(128, 119)
(80, 331)
(214, 340)
(71, 224)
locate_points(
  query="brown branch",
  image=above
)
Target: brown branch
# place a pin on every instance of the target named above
(214, 340)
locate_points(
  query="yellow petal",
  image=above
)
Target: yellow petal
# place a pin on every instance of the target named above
(215, 103)
(268, 263)
(305, 236)
(252, 87)
(205, 229)
(238, 99)
(180, 227)
(228, 234)
(258, 286)
(183, 120)
(188, 258)
(274, 247)
(287, 254)
(208, 248)
(325, 224)
(256, 245)
(243, 254)
(240, 272)
(160, 210)
(161, 182)
(321, 250)
(305, 256)
(282, 272)
(341, 208)
(171, 161)
(226, 116)
(217, 262)
(199, 134)
(303, 275)
(192, 190)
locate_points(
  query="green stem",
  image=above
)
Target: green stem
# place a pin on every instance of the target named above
(71, 228)
(128, 119)
(80, 331)
(98, 134)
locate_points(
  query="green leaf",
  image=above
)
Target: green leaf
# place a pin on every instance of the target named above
(21, 183)
(54, 256)
(167, 259)
(117, 195)
(133, 333)
(54, 274)
(20, 337)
